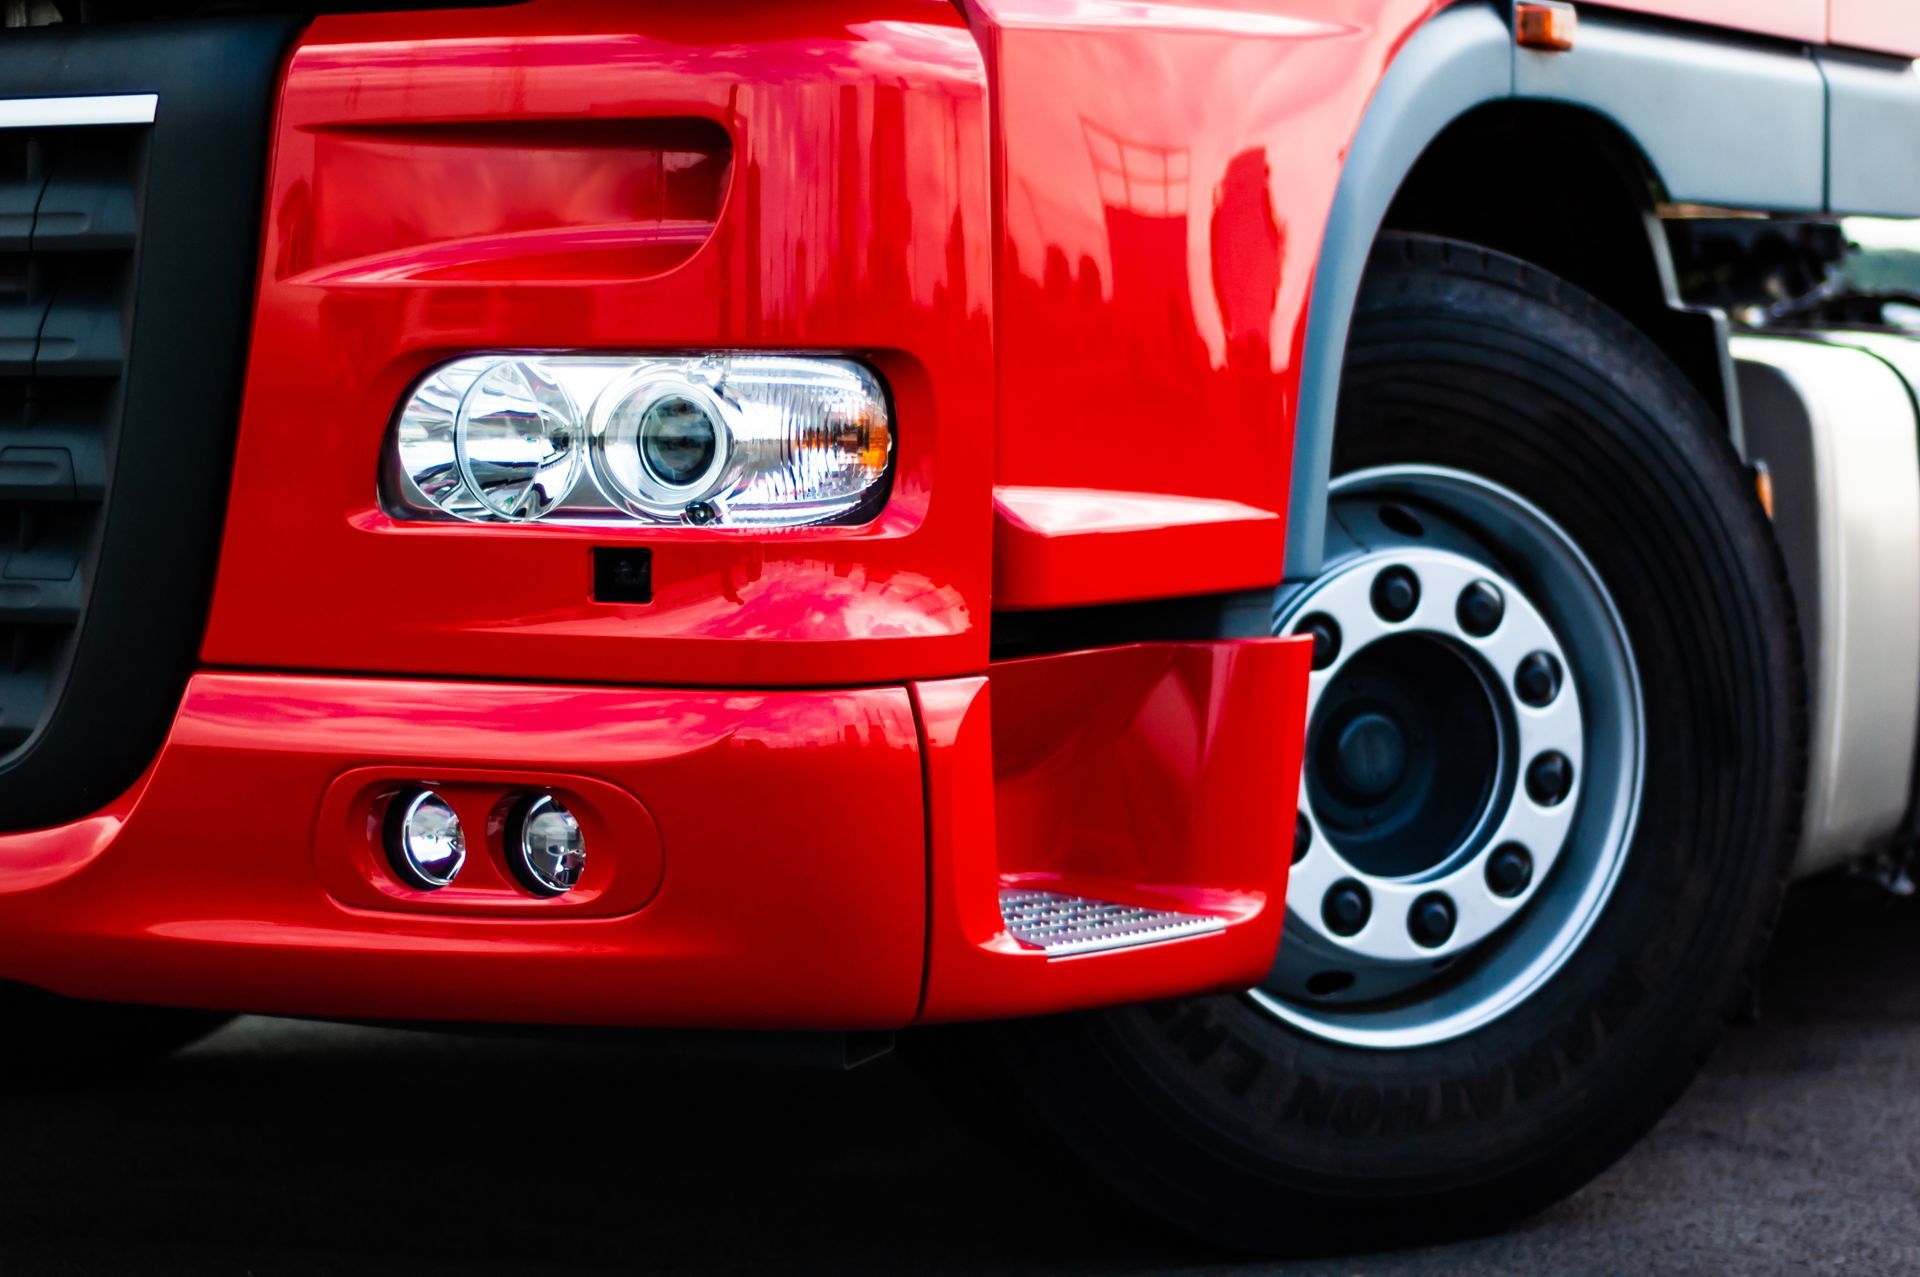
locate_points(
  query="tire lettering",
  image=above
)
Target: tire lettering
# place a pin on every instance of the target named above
(1577, 1041)
(1485, 1093)
(1309, 1104)
(1242, 1076)
(1194, 1030)
(1535, 1071)
(1617, 998)
(1404, 1111)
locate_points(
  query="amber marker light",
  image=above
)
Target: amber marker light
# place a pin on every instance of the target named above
(1548, 27)
(1763, 486)
(870, 438)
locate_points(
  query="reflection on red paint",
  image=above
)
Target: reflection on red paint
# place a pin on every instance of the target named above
(1168, 172)
(1155, 774)
(780, 817)
(585, 174)
(595, 175)
(1069, 547)
(1247, 247)
(619, 199)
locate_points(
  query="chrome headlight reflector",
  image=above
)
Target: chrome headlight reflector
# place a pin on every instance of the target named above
(516, 441)
(660, 445)
(723, 440)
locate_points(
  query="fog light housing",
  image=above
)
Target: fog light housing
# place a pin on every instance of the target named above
(424, 840)
(545, 847)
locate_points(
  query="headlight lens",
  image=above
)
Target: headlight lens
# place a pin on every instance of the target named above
(515, 440)
(679, 440)
(723, 440)
(660, 445)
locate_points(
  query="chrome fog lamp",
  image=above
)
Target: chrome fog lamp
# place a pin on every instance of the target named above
(718, 440)
(545, 846)
(424, 840)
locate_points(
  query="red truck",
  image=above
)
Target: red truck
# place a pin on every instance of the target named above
(848, 516)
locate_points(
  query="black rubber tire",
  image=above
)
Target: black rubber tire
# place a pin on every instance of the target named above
(1250, 1133)
(52, 1040)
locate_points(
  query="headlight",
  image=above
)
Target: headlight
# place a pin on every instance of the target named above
(660, 444)
(516, 441)
(725, 440)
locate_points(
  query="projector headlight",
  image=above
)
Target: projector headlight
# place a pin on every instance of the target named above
(661, 445)
(516, 441)
(722, 440)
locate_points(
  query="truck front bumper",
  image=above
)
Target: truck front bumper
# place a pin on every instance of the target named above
(757, 859)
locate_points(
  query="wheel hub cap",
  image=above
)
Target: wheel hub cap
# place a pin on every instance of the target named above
(1456, 833)
(1415, 736)
(1371, 755)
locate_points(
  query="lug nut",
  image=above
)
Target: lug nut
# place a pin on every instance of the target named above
(1430, 921)
(1396, 592)
(1346, 908)
(1549, 778)
(1480, 608)
(1537, 680)
(1325, 632)
(1509, 870)
(1302, 836)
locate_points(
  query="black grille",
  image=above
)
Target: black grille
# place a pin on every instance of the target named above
(70, 202)
(127, 261)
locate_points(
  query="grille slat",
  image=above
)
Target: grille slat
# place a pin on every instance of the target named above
(81, 336)
(32, 472)
(20, 324)
(39, 602)
(85, 211)
(17, 203)
(132, 175)
(69, 216)
(23, 178)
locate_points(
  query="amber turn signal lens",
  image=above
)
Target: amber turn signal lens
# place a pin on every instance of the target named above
(1763, 486)
(1549, 27)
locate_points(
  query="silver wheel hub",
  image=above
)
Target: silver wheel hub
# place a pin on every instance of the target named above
(1507, 817)
(1472, 763)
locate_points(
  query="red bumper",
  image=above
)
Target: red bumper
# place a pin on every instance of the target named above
(593, 175)
(822, 859)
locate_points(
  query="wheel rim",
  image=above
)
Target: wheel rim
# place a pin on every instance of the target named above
(1473, 764)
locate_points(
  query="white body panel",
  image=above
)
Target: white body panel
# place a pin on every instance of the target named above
(1837, 427)
(1885, 26)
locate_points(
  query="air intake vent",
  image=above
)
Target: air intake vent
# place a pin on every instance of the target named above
(132, 161)
(70, 198)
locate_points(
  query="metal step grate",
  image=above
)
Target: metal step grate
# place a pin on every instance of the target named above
(1061, 924)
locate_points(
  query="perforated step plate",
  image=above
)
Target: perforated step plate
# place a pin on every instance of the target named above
(1060, 924)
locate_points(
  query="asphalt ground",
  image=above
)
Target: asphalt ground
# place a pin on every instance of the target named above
(279, 1147)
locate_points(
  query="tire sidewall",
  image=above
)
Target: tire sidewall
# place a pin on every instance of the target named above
(1470, 361)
